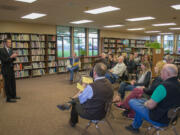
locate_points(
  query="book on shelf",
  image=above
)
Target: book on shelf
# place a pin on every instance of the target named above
(19, 74)
(20, 37)
(22, 52)
(52, 70)
(38, 65)
(35, 44)
(18, 66)
(62, 69)
(51, 51)
(3, 36)
(21, 59)
(20, 45)
(37, 58)
(38, 37)
(37, 51)
(52, 64)
(38, 72)
(51, 38)
(51, 45)
(51, 58)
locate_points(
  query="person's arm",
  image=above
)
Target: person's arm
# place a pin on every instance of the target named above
(7, 59)
(146, 80)
(86, 94)
(158, 95)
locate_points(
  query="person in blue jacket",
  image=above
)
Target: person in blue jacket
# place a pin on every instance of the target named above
(73, 66)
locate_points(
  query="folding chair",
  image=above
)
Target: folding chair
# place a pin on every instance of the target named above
(173, 115)
(105, 119)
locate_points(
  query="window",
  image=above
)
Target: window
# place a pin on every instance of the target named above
(159, 39)
(79, 41)
(168, 43)
(178, 45)
(93, 42)
(63, 41)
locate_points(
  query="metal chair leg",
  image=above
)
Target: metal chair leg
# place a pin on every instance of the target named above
(174, 129)
(88, 125)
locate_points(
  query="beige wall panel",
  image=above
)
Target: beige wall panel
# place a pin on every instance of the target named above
(17, 27)
(114, 34)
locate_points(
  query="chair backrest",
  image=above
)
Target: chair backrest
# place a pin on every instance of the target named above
(108, 105)
(173, 115)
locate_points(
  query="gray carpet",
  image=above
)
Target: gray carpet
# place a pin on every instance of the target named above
(36, 112)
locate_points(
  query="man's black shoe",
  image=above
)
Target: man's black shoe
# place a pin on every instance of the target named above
(72, 124)
(132, 129)
(16, 98)
(11, 100)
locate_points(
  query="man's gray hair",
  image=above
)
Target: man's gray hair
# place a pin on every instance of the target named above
(100, 69)
(171, 69)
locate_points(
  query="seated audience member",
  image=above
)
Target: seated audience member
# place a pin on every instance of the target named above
(136, 59)
(115, 60)
(90, 103)
(117, 71)
(142, 92)
(125, 58)
(111, 61)
(143, 80)
(164, 97)
(103, 60)
(74, 66)
(131, 65)
(169, 59)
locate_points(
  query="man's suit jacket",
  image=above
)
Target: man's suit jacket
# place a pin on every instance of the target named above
(7, 62)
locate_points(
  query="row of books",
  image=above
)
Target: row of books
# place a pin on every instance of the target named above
(51, 51)
(38, 72)
(37, 58)
(21, 59)
(3, 36)
(51, 58)
(20, 74)
(62, 69)
(51, 38)
(38, 65)
(38, 37)
(22, 52)
(20, 45)
(52, 70)
(37, 44)
(52, 64)
(38, 51)
(51, 45)
(20, 37)
(62, 62)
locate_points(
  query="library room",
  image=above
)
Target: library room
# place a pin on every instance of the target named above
(89, 67)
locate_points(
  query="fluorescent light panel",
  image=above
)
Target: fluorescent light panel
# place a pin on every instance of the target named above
(33, 16)
(152, 31)
(177, 7)
(165, 33)
(135, 29)
(164, 24)
(113, 26)
(27, 1)
(81, 21)
(175, 28)
(140, 19)
(102, 10)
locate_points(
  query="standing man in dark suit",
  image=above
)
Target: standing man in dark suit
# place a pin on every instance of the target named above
(7, 57)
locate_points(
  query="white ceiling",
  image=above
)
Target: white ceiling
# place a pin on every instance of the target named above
(61, 12)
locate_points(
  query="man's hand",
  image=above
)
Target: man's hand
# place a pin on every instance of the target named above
(14, 55)
(110, 70)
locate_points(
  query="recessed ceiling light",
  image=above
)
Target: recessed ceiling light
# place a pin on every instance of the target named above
(102, 10)
(151, 31)
(113, 26)
(175, 28)
(135, 29)
(164, 24)
(177, 7)
(81, 21)
(27, 1)
(165, 33)
(140, 19)
(33, 16)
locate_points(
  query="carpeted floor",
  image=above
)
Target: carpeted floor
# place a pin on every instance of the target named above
(36, 112)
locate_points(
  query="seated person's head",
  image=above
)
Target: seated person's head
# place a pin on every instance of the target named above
(115, 58)
(169, 59)
(120, 59)
(135, 55)
(103, 55)
(169, 71)
(74, 54)
(110, 56)
(159, 67)
(100, 70)
(131, 57)
(145, 66)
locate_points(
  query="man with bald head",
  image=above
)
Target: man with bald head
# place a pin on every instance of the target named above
(164, 97)
(117, 70)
